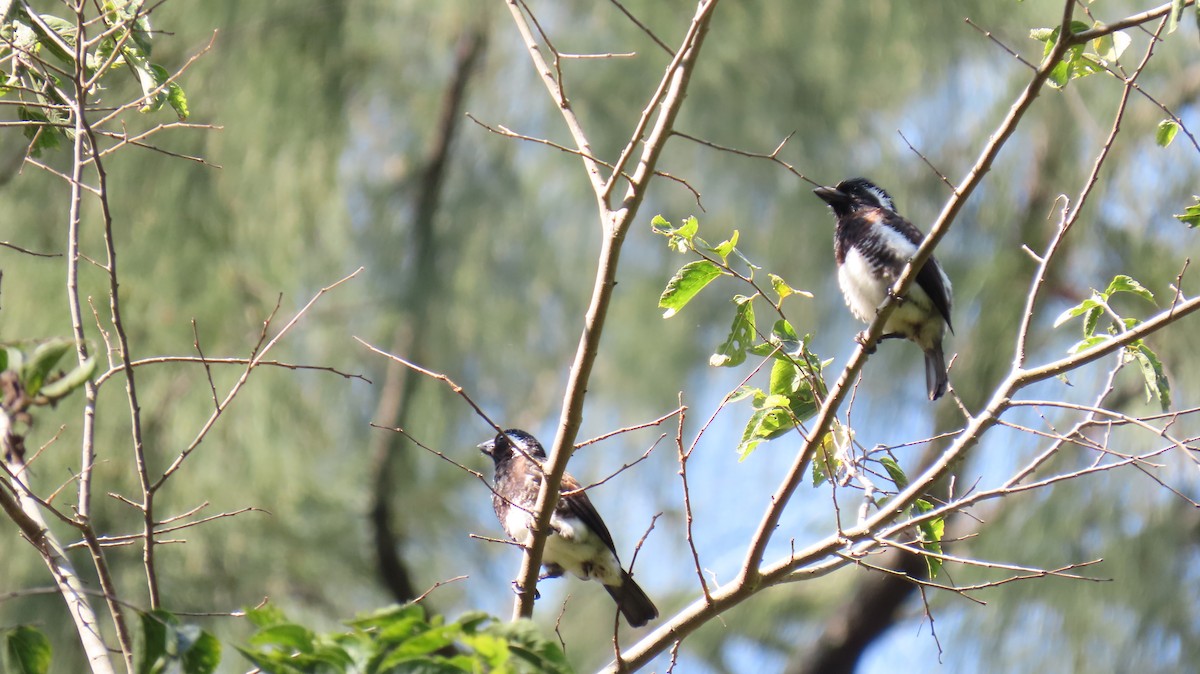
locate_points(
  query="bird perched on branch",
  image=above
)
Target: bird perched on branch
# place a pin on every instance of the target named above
(872, 244)
(578, 541)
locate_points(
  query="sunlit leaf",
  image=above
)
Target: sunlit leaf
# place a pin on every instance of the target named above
(1157, 386)
(70, 381)
(732, 351)
(42, 362)
(1110, 47)
(827, 461)
(1078, 310)
(726, 247)
(895, 472)
(1085, 344)
(686, 284)
(1126, 284)
(782, 289)
(1090, 320)
(679, 238)
(1166, 132)
(784, 336)
(1177, 7)
(1191, 215)
(178, 101)
(931, 537)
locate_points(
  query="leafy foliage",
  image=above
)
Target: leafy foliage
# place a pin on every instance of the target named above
(796, 385)
(402, 639)
(1092, 309)
(38, 382)
(1075, 62)
(26, 37)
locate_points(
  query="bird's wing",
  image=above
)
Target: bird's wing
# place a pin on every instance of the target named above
(580, 507)
(933, 281)
(931, 278)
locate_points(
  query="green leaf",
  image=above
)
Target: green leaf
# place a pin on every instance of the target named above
(724, 248)
(3, 358)
(204, 656)
(1083, 307)
(40, 129)
(386, 618)
(1157, 386)
(1126, 284)
(168, 646)
(1191, 215)
(931, 537)
(528, 644)
(1044, 34)
(178, 101)
(784, 336)
(28, 650)
(287, 637)
(1085, 344)
(834, 445)
(772, 418)
(16, 358)
(42, 362)
(782, 289)
(895, 472)
(64, 385)
(744, 392)
(732, 351)
(686, 284)
(153, 78)
(1166, 132)
(1176, 12)
(1110, 47)
(265, 615)
(61, 42)
(1073, 64)
(679, 239)
(1090, 320)
(153, 651)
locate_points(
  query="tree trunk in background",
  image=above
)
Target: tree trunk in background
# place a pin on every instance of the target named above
(410, 339)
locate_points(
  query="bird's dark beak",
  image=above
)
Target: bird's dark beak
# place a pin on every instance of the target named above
(831, 195)
(487, 447)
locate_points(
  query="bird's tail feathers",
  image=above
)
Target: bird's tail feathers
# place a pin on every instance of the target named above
(632, 601)
(935, 371)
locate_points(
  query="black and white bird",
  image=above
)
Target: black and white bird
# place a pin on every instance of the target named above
(579, 541)
(872, 244)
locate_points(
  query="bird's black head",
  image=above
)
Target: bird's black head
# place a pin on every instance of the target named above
(855, 194)
(510, 443)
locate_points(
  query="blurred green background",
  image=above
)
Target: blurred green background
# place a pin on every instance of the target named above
(327, 112)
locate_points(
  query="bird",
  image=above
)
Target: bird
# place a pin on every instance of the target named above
(871, 244)
(578, 541)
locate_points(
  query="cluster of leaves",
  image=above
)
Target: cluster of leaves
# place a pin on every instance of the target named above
(402, 639)
(1100, 55)
(1098, 305)
(37, 44)
(38, 384)
(1080, 60)
(167, 645)
(796, 385)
